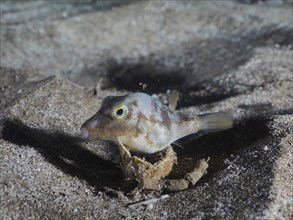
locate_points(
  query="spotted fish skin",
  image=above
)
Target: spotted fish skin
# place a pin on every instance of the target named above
(148, 127)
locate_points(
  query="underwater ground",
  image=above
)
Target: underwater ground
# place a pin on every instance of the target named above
(231, 56)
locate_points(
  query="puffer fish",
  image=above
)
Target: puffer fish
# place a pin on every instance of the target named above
(145, 125)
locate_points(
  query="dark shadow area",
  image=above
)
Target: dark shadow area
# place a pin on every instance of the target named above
(185, 69)
(220, 145)
(66, 153)
(242, 164)
(188, 99)
(131, 77)
(196, 70)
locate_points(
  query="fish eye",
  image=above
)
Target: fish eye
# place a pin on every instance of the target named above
(120, 111)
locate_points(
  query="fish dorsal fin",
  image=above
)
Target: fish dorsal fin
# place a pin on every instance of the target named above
(173, 100)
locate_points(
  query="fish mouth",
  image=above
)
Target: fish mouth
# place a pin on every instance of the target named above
(86, 135)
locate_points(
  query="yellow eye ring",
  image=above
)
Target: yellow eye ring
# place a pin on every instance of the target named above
(120, 111)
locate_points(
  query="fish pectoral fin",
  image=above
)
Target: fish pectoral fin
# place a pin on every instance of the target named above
(174, 97)
(123, 150)
(177, 145)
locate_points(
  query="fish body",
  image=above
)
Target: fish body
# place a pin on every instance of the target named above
(145, 125)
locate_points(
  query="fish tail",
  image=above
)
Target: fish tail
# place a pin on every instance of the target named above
(215, 121)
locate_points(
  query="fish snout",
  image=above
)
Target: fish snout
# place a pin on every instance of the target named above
(87, 129)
